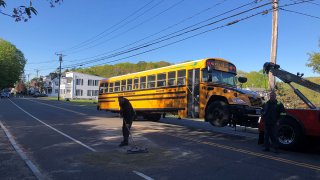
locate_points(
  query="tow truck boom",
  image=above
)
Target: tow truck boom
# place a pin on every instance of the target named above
(288, 77)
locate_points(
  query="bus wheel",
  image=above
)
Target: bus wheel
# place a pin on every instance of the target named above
(217, 114)
(289, 134)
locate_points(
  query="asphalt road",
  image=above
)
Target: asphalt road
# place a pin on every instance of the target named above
(66, 141)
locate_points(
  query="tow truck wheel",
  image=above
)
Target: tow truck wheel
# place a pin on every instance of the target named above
(289, 134)
(217, 114)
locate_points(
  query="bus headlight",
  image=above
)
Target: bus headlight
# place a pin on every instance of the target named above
(238, 101)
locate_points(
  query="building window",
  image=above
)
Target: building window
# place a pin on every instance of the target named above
(95, 92)
(90, 82)
(79, 92)
(96, 82)
(79, 81)
(89, 93)
(69, 81)
(68, 91)
(56, 91)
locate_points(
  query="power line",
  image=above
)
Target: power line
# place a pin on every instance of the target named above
(166, 36)
(116, 29)
(142, 45)
(169, 27)
(317, 4)
(109, 28)
(130, 29)
(220, 27)
(45, 62)
(167, 44)
(100, 59)
(174, 35)
(316, 17)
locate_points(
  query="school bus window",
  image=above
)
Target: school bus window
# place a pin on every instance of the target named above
(182, 77)
(102, 88)
(143, 82)
(151, 81)
(117, 86)
(161, 80)
(197, 76)
(136, 83)
(172, 78)
(123, 85)
(111, 87)
(129, 85)
(205, 75)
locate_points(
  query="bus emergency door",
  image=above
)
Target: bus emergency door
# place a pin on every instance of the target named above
(193, 89)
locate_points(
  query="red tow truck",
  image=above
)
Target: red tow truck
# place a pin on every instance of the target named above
(298, 125)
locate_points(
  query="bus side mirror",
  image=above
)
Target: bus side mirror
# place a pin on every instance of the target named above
(242, 79)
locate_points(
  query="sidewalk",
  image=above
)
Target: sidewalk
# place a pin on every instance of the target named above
(11, 165)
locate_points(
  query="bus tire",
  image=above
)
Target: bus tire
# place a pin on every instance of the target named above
(217, 114)
(290, 135)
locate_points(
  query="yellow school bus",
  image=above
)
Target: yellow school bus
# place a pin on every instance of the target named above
(204, 88)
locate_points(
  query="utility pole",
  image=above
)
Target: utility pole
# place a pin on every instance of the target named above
(37, 70)
(28, 77)
(274, 42)
(60, 60)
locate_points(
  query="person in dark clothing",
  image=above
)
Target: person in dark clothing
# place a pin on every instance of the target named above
(128, 114)
(273, 111)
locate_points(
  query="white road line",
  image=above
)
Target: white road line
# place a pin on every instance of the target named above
(58, 107)
(62, 133)
(142, 175)
(23, 156)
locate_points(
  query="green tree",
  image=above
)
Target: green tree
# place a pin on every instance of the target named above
(121, 68)
(255, 79)
(314, 61)
(24, 12)
(12, 63)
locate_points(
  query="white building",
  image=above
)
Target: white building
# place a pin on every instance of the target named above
(75, 85)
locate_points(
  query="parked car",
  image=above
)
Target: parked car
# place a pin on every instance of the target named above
(5, 94)
(37, 94)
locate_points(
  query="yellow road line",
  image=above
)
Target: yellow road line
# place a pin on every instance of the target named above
(287, 161)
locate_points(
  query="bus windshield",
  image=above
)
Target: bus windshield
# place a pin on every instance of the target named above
(219, 77)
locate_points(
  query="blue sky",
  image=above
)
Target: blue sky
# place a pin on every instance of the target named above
(246, 43)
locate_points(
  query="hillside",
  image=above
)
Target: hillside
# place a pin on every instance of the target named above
(292, 100)
(121, 68)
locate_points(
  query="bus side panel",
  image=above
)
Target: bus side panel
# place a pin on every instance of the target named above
(160, 100)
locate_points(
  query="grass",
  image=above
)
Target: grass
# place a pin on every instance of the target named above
(85, 102)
